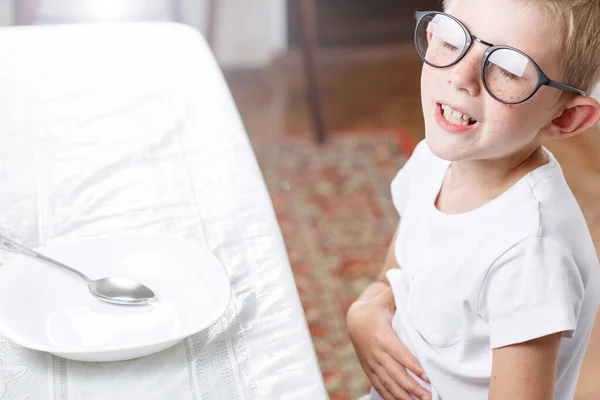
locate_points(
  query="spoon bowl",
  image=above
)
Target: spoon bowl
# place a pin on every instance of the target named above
(121, 291)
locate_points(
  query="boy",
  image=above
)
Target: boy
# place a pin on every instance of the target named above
(494, 276)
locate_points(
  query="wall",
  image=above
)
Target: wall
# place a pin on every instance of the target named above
(596, 93)
(6, 12)
(249, 32)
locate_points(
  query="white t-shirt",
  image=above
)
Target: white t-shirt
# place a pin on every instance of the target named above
(520, 267)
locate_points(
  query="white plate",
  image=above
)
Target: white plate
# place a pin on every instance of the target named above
(51, 310)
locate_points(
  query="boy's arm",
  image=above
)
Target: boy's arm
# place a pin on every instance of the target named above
(525, 371)
(379, 286)
(382, 355)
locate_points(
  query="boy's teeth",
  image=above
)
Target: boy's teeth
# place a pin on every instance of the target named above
(454, 116)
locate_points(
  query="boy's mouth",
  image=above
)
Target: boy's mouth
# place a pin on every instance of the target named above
(456, 117)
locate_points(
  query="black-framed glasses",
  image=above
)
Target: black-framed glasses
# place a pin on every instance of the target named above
(508, 75)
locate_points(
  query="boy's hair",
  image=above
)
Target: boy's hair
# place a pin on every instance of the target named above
(579, 21)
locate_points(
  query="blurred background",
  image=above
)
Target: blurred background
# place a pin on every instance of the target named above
(329, 93)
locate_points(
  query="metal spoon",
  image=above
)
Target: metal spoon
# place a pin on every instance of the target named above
(114, 290)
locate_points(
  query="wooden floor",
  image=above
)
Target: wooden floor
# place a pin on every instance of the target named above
(379, 88)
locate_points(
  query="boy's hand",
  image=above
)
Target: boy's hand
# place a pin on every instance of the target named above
(383, 356)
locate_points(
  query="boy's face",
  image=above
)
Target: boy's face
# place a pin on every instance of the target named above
(501, 130)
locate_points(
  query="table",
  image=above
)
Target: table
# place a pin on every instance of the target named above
(130, 128)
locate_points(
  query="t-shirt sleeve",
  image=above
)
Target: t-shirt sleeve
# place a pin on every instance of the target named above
(533, 290)
(400, 187)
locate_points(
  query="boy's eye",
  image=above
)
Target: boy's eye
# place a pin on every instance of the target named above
(507, 74)
(497, 69)
(449, 46)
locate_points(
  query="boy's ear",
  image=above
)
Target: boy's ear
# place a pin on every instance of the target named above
(580, 113)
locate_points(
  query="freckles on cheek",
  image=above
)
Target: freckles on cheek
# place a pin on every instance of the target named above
(507, 127)
(517, 117)
(429, 76)
(424, 77)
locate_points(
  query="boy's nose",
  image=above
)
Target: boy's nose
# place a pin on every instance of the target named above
(466, 75)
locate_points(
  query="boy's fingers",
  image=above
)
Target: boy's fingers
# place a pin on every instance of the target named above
(391, 386)
(381, 389)
(404, 380)
(397, 349)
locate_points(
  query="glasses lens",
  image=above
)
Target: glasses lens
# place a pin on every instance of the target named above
(440, 40)
(510, 76)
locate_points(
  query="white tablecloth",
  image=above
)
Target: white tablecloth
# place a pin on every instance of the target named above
(116, 129)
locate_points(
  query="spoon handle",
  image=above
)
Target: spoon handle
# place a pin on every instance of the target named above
(14, 247)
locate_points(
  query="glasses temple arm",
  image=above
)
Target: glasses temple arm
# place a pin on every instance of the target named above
(567, 88)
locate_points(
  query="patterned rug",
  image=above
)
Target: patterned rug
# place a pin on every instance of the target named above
(334, 208)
